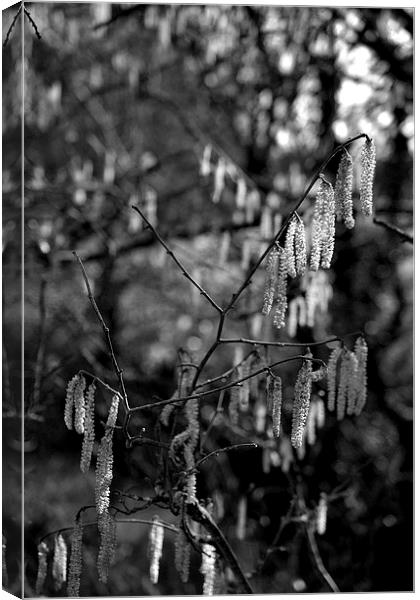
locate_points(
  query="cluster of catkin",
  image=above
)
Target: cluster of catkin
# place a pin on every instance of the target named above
(330, 204)
(79, 412)
(281, 263)
(347, 379)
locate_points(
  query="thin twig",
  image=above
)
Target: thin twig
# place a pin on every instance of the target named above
(218, 411)
(285, 344)
(220, 450)
(32, 22)
(9, 31)
(172, 528)
(117, 369)
(318, 560)
(403, 235)
(177, 262)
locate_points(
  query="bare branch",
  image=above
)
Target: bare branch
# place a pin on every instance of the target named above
(177, 262)
(220, 450)
(117, 369)
(405, 237)
(318, 560)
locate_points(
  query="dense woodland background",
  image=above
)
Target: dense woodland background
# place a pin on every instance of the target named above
(120, 101)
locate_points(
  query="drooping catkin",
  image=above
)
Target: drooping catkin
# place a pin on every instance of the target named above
(332, 377)
(205, 165)
(300, 247)
(241, 518)
(208, 568)
(269, 388)
(323, 227)
(353, 382)
(289, 247)
(286, 454)
(281, 291)
(345, 371)
(191, 482)
(42, 568)
(361, 352)
(240, 197)
(311, 425)
(301, 403)
(270, 279)
(156, 536)
(233, 408)
(89, 429)
(69, 406)
(368, 163)
(59, 566)
(292, 321)
(224, 248)
(219, 179)
(277, 403)
(244, 389)
(105, 460)
(107, 544)
(79, 405)
(344, 191)
(320, 414)
(319, 373)
(75, 564)
(321, 514)
(182, 556)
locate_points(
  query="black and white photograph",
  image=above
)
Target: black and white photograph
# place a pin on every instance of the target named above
(207, 272)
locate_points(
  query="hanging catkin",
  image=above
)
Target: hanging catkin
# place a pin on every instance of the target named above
(321, 514)
(241, 518)
(281, 291)
(277, 403)
(219, 179)
(89, 429)
(323, 227)
(368, 163)
(361, 352)
(343, 384)
(69, 406)
(292, 321)
(155, 548)
(42, 568)
(79, 405)
(75, 565)
(208, 568)
(343, 192)
(353, 383)
(300, 247)
(182, 555)
(107, 544)
(104, 460)
(270, 279)
(205, 165)
(240, 197)
(332, 377)
(59, 567)
(303, 388)
(289, 247)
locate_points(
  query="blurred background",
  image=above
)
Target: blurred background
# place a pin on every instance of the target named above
(170, 107)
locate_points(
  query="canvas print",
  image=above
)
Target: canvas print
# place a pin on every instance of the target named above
(207, 299)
